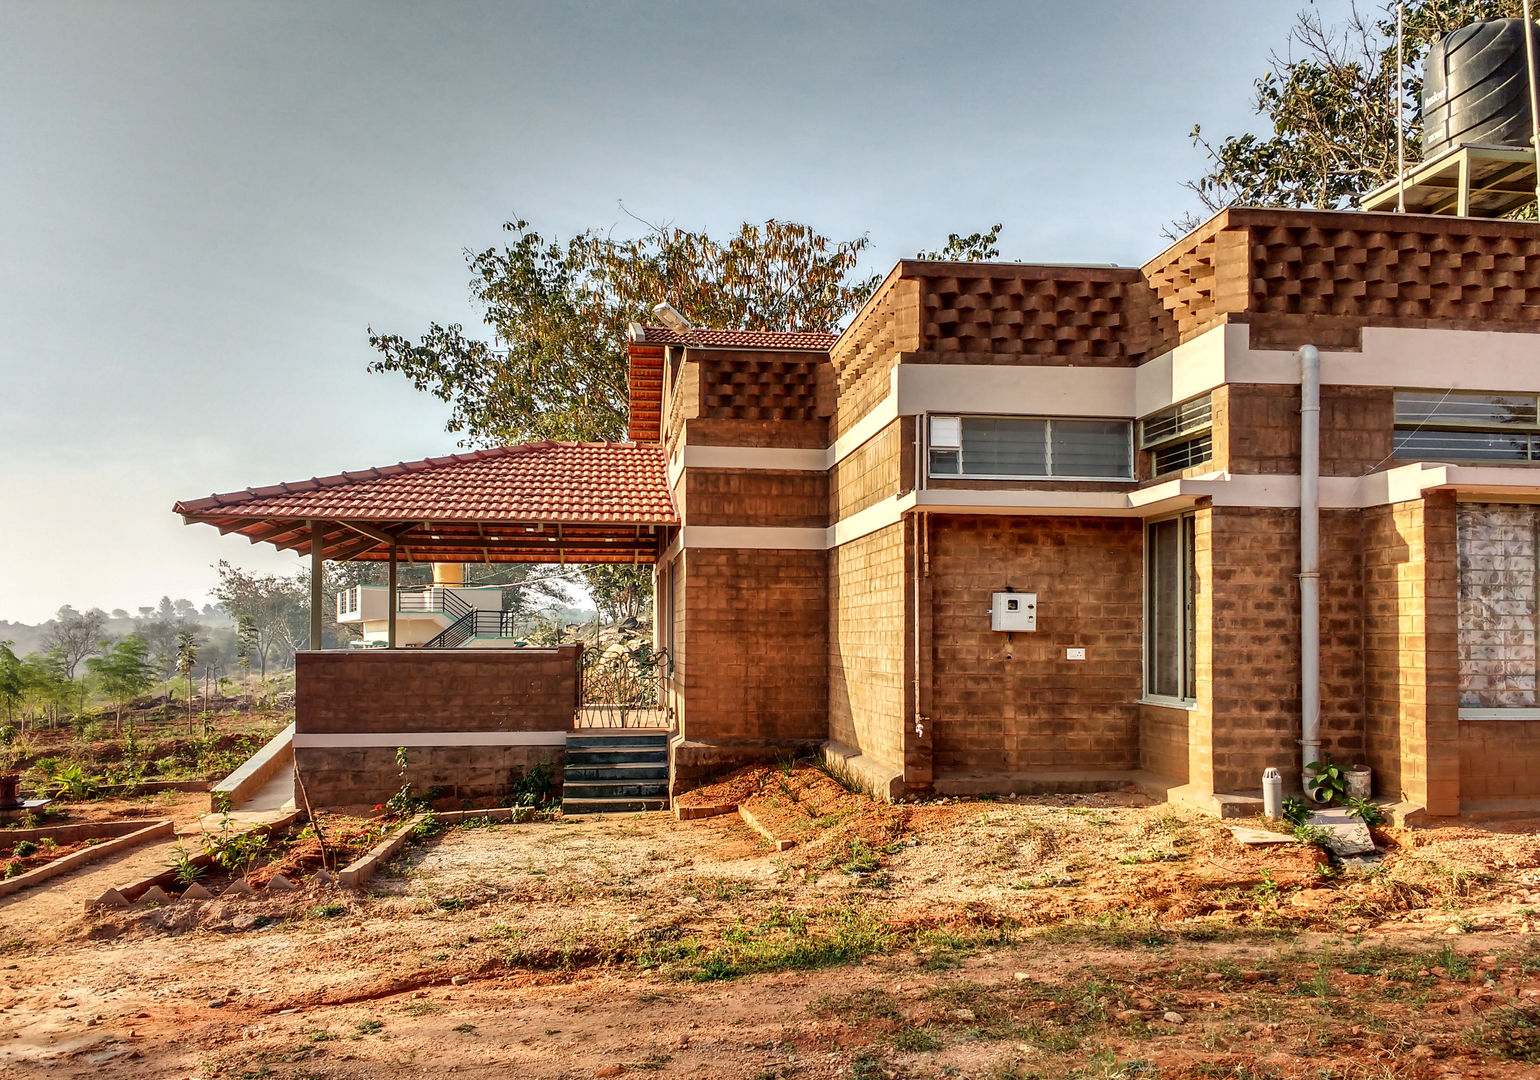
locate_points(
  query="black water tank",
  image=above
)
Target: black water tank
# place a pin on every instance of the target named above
(1474, 89)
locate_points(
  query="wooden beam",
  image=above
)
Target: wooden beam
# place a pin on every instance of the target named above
(391, 599)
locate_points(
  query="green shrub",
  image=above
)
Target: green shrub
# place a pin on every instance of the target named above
(531, 787)
(24, 848)
(1326, 781)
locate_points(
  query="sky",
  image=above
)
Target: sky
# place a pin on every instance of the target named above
(207, 205)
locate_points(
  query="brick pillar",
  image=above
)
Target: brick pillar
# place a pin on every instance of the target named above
(1441, 715)
(1200, 730)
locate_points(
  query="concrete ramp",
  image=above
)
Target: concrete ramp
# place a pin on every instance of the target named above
(263, 787)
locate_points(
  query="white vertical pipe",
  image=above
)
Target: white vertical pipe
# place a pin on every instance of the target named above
(1309, 555)
(1534, 96)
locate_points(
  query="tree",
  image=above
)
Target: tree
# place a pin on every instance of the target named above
(13, 684)
(124, 672)
(1328, 98)
(186, 663)
(558, 312)
(75, 635)
(48, 685)
(620, 592)
(265, 606)
(976, 247)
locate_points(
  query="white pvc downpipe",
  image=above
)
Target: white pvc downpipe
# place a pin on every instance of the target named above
(1309, 556)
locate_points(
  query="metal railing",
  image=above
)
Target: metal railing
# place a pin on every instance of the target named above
(474, 624)
(624, 688)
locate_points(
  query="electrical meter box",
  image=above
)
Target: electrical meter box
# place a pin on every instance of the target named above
(1013, 611)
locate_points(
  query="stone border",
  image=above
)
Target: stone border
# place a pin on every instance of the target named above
(703, 810)
(121, 841)
(80, 830)
(357, 873)
(133, 890)
(753, 823)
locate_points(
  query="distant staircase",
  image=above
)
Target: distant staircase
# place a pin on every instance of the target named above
(615, 773)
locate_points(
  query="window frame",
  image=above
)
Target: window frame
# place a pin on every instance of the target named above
(1529, 430)
(1130, 476)
(1179, 436)
(1187, 614)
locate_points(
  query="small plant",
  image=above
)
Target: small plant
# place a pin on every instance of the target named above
(532, 786)
(1326, 781)
(1295, 812)
(1369, 812)
(327, 911)
(1266, 890)
(464, 1029)
(370, 1027)
(1311, 835)
(187, 868)
(48, 844)
(13, 867)
(24, 848)
(74, 783)
(234, 851)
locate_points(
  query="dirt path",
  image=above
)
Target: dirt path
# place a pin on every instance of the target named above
(969, 939)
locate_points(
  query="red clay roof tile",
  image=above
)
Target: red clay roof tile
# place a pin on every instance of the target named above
(543, 481)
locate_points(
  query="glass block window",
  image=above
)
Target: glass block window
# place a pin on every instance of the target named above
(1031, 448)
(1179, 437)
(1435, 425)
(1497, 548)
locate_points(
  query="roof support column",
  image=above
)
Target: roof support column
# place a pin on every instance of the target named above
(390, 631)
(317, 580)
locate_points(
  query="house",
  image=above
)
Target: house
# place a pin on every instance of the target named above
(1046, 528)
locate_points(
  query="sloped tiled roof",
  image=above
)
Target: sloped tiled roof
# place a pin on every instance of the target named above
(738, 339)
(539, 482)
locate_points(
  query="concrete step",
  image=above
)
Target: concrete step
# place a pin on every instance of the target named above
(611, 806)
(623, 771)
(624, 756)
(601, 790)
(648, 739)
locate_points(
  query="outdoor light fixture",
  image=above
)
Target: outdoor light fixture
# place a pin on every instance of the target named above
(671, 318)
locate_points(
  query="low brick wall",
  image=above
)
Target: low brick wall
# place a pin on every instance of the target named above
(469, 719)
(1499, 760)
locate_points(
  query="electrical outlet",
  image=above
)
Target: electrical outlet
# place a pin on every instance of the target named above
(1074, 654)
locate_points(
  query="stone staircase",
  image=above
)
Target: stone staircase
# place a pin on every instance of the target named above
(615, 772)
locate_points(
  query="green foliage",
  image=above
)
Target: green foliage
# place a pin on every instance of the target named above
(532, 786)
(1295, 812)
(272, 614)
(232, 850)
(187, 870)
(74, 782)
(13, 868)
(976, 247)
(124, 672)
(1328, 101)
(558, 312)
(13, 683)
(1326, 781)
(620, 591)
(24, 848)
(1370, 813)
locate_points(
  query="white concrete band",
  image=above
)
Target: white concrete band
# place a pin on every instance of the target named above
(357, 739)
(1402, 484)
